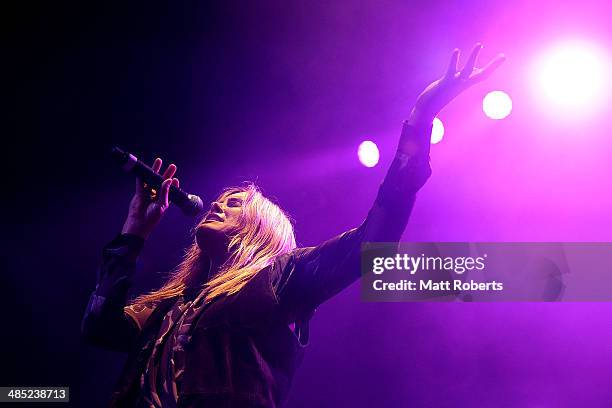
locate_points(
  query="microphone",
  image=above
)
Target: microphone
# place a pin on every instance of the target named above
(190, 204)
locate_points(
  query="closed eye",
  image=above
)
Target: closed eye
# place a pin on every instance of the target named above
(234, 202)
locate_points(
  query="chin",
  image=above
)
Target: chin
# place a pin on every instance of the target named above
(207, 234)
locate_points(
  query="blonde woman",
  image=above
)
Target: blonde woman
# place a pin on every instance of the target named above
(229, 326)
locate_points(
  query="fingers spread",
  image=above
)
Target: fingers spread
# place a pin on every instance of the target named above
(452, 66)
(488, 69)
(469, 65)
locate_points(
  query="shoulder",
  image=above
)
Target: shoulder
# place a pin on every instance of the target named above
(284, 264)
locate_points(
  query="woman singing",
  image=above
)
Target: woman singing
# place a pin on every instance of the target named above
(229, 326)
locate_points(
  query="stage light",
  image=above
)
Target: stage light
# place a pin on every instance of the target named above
(497, 105)
(368, 153)
(437, 132)
(571, 78)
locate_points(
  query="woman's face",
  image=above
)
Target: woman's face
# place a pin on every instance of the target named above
(221, 220)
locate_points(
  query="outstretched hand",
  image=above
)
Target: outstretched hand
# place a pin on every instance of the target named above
(439, 93)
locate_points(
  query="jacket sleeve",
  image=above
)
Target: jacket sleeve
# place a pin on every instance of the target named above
(309, 276)
(106, 322)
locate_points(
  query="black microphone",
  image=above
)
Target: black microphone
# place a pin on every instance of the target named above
(190, 204)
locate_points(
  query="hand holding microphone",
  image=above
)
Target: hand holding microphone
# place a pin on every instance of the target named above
(153, 194)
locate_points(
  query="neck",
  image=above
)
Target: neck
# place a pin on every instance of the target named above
(214, 264)
(210, 267)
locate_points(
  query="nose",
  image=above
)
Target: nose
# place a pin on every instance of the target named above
(216, 207)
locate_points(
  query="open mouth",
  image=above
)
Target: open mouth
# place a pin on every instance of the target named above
(213, 217)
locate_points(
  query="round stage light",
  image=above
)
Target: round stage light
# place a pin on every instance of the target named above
(571, 78)
(368, 153)
(437, 131)
(497, 105)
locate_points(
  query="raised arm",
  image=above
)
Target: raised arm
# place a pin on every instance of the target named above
(107, 321)
(309, 276)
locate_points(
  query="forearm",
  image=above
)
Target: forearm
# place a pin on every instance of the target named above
(408, 172)
(104, 322)
(118, 266)
(313, 275)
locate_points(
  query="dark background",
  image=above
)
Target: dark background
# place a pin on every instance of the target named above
(280, 93)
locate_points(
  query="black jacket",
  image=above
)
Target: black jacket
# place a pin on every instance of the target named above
(242, 352)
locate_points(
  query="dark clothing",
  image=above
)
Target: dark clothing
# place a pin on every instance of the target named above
(160, 383)
(239, 351)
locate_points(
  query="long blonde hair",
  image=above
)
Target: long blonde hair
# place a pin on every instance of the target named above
(264, 232)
